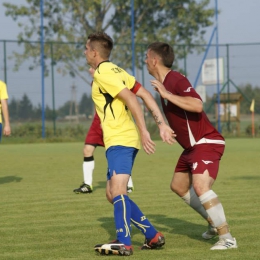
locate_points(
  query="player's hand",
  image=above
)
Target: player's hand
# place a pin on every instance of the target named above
(167, 134)
(7, 130)
(159, 87)
(147, 142)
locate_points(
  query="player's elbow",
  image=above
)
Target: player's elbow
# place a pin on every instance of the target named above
(199, 108)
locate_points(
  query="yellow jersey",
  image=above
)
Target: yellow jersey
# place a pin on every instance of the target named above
(116, 119)
(3, 95)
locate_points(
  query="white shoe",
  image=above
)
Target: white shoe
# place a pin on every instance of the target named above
(225, 243)
(210, 233)
(130, 189)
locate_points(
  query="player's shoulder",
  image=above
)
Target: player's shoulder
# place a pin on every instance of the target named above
(177, 75)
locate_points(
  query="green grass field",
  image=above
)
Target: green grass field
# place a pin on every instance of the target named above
(41, 218)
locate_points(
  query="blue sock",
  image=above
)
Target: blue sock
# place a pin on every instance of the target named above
(141, 222)
(122, 213)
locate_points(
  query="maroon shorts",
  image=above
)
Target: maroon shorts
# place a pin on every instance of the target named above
(200, 158)
(95, 134)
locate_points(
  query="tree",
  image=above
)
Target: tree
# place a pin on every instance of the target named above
(86, 105)
(37, 112)
(250, 93)
(64, 110)
(175, 21)
(25, 108)
(13, 108)
(49, 115)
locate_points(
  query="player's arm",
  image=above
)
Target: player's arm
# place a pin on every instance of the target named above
(7, 128)
(166, 133)
(133, 105)
(187, 103)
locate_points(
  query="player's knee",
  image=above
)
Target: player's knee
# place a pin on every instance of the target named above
(109, 197)
(88, 150)
(174, 188)
(200, 188)
(180, 190)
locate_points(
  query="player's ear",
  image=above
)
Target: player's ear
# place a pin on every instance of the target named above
(94, 53)
(155, 61)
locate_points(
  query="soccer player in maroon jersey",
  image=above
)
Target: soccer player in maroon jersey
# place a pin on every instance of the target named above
(203, 145)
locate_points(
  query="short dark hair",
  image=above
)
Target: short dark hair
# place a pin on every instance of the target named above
(102, 42)
(165, 51)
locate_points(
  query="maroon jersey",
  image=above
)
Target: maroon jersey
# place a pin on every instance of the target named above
(191, 128)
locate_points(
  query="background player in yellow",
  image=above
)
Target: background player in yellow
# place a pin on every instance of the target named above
(4, 111)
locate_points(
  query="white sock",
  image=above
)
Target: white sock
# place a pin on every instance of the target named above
(216, 213)
(88, 168)
(193, 201)
(130, 182)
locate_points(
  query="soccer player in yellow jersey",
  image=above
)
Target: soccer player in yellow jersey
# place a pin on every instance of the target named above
(115, 105)
(4, 110)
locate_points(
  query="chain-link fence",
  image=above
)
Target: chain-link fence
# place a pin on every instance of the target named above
(67, 80)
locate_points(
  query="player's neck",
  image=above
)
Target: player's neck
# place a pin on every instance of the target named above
(98, 61)
(162, 73)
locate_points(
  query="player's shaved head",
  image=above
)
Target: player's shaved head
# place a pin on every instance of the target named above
(102, 43)
(164, 51)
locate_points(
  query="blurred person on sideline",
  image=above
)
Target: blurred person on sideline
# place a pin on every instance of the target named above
(6, 128)
(203, 145)
(116, 106)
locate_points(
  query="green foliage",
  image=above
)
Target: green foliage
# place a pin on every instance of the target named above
(86, 105)
(251, 93)
(43, 219)
(24, 110)
(13, 108)
(249, 130)
(64, 109)
(177, 22)
(32, 132)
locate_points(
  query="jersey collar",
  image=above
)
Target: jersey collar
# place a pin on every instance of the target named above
(101, 63)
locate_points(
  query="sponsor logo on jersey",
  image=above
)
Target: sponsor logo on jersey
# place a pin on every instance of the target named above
(194, 165)
(188, 89)
(207, 162)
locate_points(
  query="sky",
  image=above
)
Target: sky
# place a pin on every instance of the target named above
(238, 22)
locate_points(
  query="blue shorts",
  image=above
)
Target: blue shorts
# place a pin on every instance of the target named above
(120, 159)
